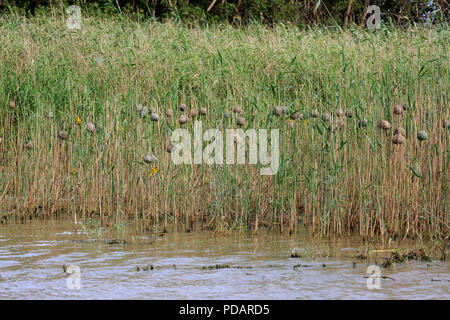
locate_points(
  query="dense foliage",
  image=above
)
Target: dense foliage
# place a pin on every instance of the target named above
(301, 12)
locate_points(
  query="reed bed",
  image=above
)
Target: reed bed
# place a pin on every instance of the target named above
(339, 172)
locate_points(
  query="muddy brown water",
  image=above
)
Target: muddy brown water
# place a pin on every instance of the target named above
(184, 267)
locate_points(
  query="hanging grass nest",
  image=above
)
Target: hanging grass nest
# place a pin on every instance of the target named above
(400, 130)
(170, 147)
(193, 113)
(240, 121)
(384, 124)
(278, 111)
(29, 145)
(143, 112)
(90, 127)
(203, 111)
(237, 109)
(339, 113)
(63, 135)
(363, 123)
(326, 117)
(398, 110)
(296, 115)
(336, 124)
(154, 117)
(237, 139)
(183, 119)
(314, 113)
(150, 158)
(422, 136)
(350, 113)
(12, 104)
(182, 107)
(169, 113)
(398, 139)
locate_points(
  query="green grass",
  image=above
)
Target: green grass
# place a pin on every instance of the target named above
(349, 180)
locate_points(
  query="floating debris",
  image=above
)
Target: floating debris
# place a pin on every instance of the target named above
(350, 113)
(240, 121)
(154, 117)
(418, 255)
(296, 254)
(361, 256)
(422, 136)
(383, 124)
(62, 135)
(150, 158)
(117, 241)
(380, 277)
(183, 119)
(398, 110)
(217, 266)
(144, 268)
(182, 107)
(398, 258)
(90, 127)
(398, 139)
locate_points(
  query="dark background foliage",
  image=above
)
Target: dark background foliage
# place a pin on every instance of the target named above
(302, 12)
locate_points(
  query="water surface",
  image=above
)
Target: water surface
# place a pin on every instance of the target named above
(32, 256)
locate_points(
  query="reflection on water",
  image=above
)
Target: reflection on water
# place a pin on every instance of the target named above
(32, 256)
